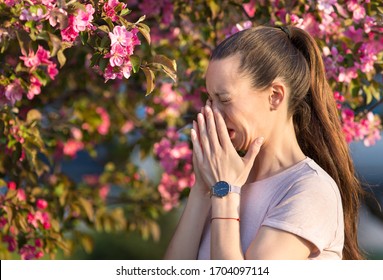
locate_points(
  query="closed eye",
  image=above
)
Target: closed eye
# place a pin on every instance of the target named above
(225, 100)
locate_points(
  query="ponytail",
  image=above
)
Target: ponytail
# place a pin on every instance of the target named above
(320, 137)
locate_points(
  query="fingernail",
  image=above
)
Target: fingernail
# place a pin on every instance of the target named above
(259, 141)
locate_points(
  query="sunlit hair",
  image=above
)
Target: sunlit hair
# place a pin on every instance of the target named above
(267, 53)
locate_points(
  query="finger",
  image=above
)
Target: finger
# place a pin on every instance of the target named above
(211, 129)
(197, 151)
(223, 134)
(195, 126)
(204, 139)
(253, 150)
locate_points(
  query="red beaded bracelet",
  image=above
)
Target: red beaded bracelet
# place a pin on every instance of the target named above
(219, 218)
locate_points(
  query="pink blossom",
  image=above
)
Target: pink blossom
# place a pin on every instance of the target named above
(43, 55)
(69, 34)
(356, 35)
(358, 11)
(10, 3)
(326, 5)
(27, 15)
(12, 243)
(55, 15)
(83, 19)
(11, 185)
(76, 133)
(127, 127)
(41, 204)
(308, 23)
(239, 27)
(109, 9)
(103, 192)
(28, 252)
(38, 243)
(103, 128)
(31, 60)
(39, 217)
(347, 74)
(91, 179)
(368, 57)
(369, 22)
(34, 88)
(21, 196)
(72, 146)
(111, 74)
(339, 98)
(3, 222)
(366, 129)
(126, 68)
(116, 55)
(52, 70)
(125, 38)
(250, 8)
(163, 8)
(13, 92)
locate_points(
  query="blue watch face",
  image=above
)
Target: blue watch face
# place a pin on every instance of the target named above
(221, 188)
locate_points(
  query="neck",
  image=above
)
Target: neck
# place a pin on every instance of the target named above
(279, 152)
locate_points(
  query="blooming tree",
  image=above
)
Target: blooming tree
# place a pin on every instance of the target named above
(75, 80)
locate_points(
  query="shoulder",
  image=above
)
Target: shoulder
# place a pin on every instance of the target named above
(315, 183)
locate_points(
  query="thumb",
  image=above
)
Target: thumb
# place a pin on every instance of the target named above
(254, 149)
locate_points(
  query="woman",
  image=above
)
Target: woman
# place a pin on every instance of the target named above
(294, 194)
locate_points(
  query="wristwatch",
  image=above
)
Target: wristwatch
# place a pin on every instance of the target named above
(222, 188)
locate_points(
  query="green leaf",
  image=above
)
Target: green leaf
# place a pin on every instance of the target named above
(103, 63)
(33, 115)
(136, 63)
(105, 42)
(380, 9)
(17, 153)
(161, 59)
(142, 18)
(109, 22)
(87, 243)
(149, 74)
(9, 212)
(2, 127)
(88, 208)
(10, 194)
(214, 8)
(125, 12)
(95, 59)
(84, 37)
(42, 76)
(61, 58)
(24, 40)
(104, 28)
(145, 31)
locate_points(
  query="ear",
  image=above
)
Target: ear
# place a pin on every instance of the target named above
(277, 95)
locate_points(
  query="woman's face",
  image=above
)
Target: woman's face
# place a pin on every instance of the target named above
(246, 111)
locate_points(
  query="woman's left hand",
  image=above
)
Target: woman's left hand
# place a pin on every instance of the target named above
(215, 154)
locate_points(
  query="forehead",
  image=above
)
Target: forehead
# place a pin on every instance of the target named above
(223, 74)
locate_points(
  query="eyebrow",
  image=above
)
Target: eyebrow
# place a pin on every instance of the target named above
(220, 92)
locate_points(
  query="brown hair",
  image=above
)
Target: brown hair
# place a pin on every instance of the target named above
(293, 55)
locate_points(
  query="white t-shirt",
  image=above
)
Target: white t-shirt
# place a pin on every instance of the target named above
(303, 200)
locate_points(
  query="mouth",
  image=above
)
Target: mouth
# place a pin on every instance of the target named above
(231, 133)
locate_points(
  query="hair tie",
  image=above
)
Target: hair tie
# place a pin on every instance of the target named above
(286, 30)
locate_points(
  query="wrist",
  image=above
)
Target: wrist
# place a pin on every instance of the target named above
(228, 206)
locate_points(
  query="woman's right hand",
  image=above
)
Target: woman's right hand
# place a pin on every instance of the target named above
(200, 187)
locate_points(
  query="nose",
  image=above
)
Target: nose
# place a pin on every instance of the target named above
(216, 105)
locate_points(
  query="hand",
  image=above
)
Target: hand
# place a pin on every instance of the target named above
(200, 185)
(216, 155)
